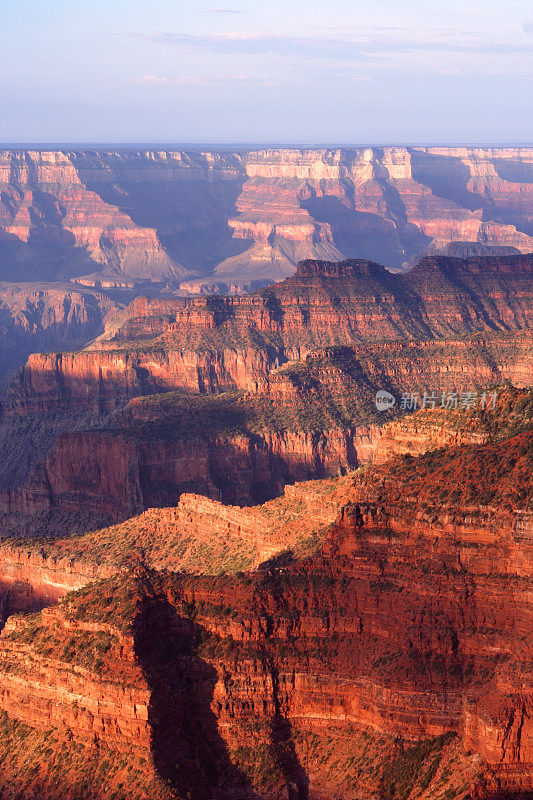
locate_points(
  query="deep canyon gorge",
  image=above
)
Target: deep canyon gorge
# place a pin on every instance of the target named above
(238, 217)
(225, 574)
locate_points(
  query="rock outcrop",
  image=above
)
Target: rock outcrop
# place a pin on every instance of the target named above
(211, 344)
(308, 420)
(43, 317)
(388, 204)
(152, 399)
(199, 535)
(507, 411)
(55, 227)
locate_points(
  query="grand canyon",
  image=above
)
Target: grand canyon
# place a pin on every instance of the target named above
(225, 572)
(235, 219)
(83, 232)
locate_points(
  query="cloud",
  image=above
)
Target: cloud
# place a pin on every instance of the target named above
(226, 11)
(152, 79)
(256, 44)
(208, 80)
(339, 48)
(527, 26)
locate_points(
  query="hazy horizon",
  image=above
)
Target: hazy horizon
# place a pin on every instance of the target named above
(298, 72)
(247, 146)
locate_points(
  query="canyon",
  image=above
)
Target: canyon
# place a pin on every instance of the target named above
(224, 573)
(387, 657)
(38, 317)
(84, 232)
(230, 220)
(235, 397)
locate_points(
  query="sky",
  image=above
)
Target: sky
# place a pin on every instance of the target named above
(275, 72)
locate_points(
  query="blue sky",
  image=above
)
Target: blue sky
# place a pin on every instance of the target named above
(283, 71)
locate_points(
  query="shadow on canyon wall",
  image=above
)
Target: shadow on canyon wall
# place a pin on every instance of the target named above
(190, 217)
(360, 234)
(448, 178)
(50, 254)
(188, 752)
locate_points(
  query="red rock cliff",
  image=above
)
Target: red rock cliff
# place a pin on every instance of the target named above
(409, 623)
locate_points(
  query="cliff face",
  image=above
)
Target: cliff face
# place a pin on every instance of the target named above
(89, 714)
(489, 175)
(40, 317)
(198, 535)
(213, 343)
(457, 293)
(333, 673)
(51, 220)
(118, 475)
(203, 535)
(435, 428)
(327, 303)
(387, 204)
(252, 216)
(308, 420)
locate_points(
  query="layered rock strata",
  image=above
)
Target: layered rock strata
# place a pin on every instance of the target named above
(311, 419)
(302, 420)
(213, 344)
(43, 317)
(250, 216)
(410, 622)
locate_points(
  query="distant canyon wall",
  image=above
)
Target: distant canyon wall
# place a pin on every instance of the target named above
(40, 317)
(248, 217)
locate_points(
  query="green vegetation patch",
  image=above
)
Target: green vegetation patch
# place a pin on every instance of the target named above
(91, 650)
(159, 544)
(416, 764)
(52, 763)
(487, 474)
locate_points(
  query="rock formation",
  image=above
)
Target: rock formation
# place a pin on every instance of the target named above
(42, 317)
(157, 408)
(389, 661)
(211, 343)
(249, 217)
(363, 635)
(310, 419)
(55, 227)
